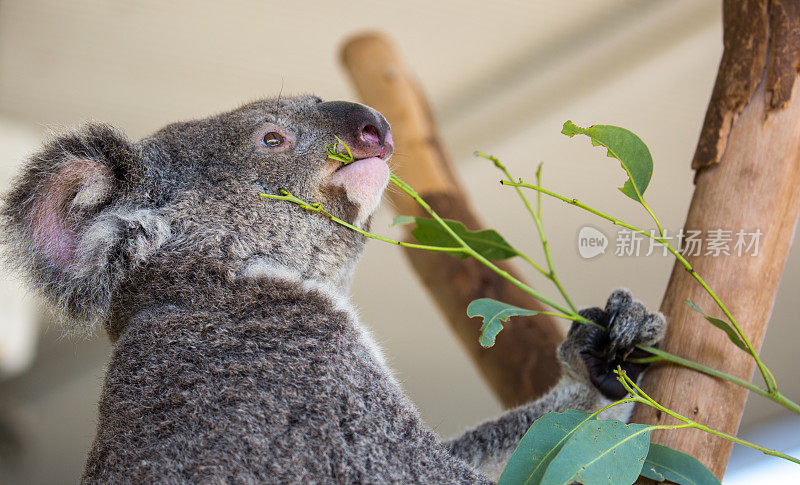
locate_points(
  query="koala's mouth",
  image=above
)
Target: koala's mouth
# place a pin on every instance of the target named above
(365, 178)
(359, 171)
(379, 150)
(368, 145)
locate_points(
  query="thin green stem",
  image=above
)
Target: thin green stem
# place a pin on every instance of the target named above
(640, 396)
(536, 215)
(317, 208)
(647, 360)
(464, 249)
(655, 219)
(539, 194)
(557, 315)
(468, 250)
(535, 265)
(615, 403)
(740, 441)
(661, 355)
(769, 379)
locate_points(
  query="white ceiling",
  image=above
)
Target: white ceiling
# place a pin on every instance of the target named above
(142, 64)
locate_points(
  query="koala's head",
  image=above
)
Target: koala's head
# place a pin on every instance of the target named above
(92, 209)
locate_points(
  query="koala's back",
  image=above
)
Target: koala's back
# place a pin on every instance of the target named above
(259, 380)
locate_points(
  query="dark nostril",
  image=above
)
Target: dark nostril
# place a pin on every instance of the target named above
(370, 134)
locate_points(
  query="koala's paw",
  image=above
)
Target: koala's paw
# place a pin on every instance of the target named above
(593, 353)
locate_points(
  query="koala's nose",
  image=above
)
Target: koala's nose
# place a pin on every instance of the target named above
(365, 131)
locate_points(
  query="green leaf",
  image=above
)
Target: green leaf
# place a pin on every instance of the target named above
(400, 220)
(722, 325)
(626, 147)
(487, 242)
(493, 312)
(335, 153)
(607, 451)
(541, 443)
(664, 463)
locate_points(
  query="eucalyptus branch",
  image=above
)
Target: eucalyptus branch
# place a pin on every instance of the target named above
(564, 312)
(657, 355)
(468, 250)
(537, 219)
(316, 207)
(769, 379)
(655, 219)
(539, 194)
(664, 356)
(638, 395)
(463, 248)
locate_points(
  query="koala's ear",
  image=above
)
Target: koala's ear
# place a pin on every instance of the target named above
(59, 228)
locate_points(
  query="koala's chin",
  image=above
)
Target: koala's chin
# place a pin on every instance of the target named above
(364, 182)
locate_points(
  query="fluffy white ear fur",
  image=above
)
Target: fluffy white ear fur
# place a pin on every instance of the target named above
(77, 186)
(66, 227)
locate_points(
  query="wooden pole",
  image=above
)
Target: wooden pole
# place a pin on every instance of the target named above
(748, 175)
(522, 364)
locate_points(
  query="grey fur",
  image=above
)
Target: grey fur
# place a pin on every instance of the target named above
(237, 355)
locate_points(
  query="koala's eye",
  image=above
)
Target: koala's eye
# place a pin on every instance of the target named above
(272, 139)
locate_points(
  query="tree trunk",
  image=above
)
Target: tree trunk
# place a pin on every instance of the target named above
(748, 174)
(522, 364)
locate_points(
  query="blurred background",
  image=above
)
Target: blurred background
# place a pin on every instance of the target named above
(502, 77)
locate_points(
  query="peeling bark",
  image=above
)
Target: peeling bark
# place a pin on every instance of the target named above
(740, 70)
(758, 35)
(784, 51)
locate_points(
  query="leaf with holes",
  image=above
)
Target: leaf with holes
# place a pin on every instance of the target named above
(664, 463)
(541, 443)
(608, 451)
(494, 313)
(626, 147)
(487, 242)
(722, 325)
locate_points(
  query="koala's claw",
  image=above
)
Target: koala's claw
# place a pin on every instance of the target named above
(597, 353)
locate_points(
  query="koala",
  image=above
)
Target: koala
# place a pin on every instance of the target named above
(237, 355)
